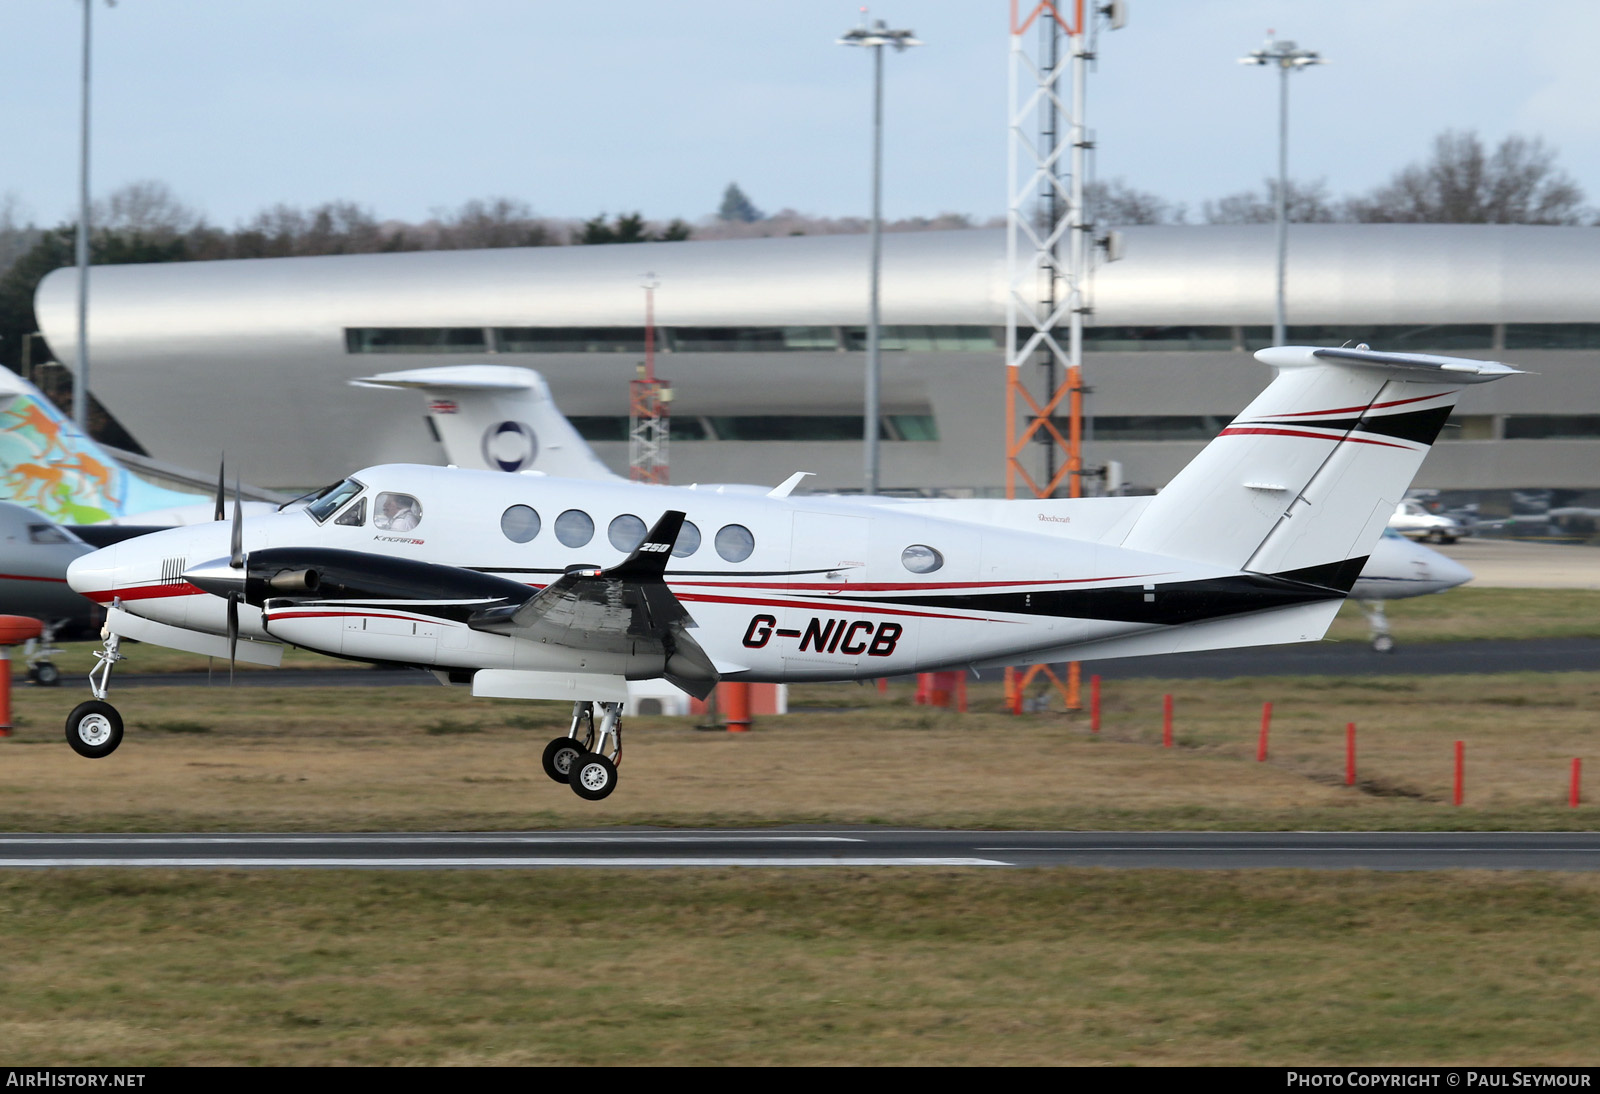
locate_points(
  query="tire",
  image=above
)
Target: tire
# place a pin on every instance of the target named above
(593, 777)
(1383, 643)
(94, 729)
(559, 756)
(45, 674)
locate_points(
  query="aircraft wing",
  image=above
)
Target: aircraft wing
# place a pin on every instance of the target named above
(626, 609)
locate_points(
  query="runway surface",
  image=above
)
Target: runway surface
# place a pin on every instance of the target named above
(809, 847)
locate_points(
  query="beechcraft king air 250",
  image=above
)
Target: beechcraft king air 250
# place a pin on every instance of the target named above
(545, 588)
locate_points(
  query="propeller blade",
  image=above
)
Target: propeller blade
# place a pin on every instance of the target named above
(221, 510)
(236, 544)
(233, 633)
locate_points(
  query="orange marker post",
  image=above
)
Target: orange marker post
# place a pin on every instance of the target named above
(1350, 754)
(14, 631)
(1166, 721)
(1461, 763)
(1577, 781)
(1266, 727)
(736, 701)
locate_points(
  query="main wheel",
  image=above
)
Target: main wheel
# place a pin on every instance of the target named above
(1383, 644)
(94, 729)
(593, 776)
(45, 674)
(559, 756)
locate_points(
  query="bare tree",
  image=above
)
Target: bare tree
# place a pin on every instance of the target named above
(495, 222)
(1306, 203)
(1113, 203)
(1463, 183)
(147, 208)
(16, 238)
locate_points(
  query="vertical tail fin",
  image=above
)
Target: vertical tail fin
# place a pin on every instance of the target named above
(47, 464)
(498, 418)
(1304, 480)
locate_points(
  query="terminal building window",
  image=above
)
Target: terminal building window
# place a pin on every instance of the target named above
(570, 339)
(750, 339)
(1552, 427)
(1553, 336)
(1123, 339)
(1154, 427)
(925, 339)
(414, 340)
(1382, 336)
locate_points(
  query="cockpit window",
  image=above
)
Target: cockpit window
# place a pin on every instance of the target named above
(355, 516)
(396, 512)
(47, 533)
(332, 499)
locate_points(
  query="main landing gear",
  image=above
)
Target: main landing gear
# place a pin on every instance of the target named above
(94, 729)
(586, 759)
(41, 670)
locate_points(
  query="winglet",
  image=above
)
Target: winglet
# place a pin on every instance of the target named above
(649, 560)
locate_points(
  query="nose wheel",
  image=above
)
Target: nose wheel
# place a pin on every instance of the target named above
(94, 729)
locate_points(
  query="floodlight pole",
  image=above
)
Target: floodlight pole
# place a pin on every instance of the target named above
(1287, 57)
(80, 385)
(875, 38)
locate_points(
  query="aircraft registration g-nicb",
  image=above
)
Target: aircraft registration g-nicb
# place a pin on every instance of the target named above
(539, 587)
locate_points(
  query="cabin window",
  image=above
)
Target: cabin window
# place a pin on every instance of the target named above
(331, 500)
(688, 541)
(574, 528)
(396, 513)
(47, 533)
(355, 516)
(626, 532)
(520, 523)
(734, 542)
(919, 558)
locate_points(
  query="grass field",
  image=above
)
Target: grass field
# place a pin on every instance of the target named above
(790, 967)
(145, 967)
(425, 758)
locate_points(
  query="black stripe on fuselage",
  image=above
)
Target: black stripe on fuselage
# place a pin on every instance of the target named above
(1418, 426)
(1171, 603)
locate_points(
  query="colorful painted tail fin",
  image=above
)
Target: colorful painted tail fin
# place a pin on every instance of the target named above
(1303, 482)
(49, 465)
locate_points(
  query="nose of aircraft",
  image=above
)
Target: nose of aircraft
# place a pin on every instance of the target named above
(94, 573)
(1448, 572)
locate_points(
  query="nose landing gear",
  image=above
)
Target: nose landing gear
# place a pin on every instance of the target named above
(94, 729)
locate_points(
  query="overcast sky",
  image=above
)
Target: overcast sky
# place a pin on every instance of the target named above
(408, 106)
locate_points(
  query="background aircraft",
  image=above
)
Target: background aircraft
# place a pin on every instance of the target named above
(1256, 542)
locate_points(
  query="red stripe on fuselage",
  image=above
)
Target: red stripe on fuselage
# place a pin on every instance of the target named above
(1359, 409)
(1336, 438)
(30, 577)
(146, 592)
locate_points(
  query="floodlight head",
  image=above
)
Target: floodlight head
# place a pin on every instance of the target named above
(878, 34)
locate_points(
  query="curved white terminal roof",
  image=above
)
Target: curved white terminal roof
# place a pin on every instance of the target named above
(1202, 275)
(250, 356)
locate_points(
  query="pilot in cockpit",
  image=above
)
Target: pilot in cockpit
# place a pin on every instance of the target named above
(397, 512)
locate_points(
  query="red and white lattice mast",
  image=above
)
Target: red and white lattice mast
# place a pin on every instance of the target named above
(649, 400)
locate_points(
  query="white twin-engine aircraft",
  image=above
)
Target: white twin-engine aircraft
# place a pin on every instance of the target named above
(538, 587)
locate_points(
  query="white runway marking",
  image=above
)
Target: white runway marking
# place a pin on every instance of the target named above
(380, 837)
(500, 861)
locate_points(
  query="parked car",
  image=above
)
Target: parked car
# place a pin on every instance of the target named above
(1415, 521)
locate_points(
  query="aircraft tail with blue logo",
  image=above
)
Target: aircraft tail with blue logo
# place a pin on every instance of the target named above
(497, 418)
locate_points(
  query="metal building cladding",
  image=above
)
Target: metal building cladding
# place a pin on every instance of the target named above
(764, 339)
